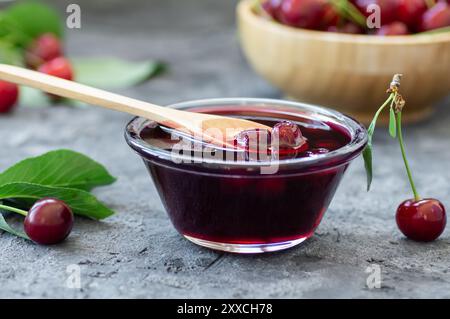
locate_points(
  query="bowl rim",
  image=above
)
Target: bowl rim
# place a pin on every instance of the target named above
(348, 152)
(245, 12)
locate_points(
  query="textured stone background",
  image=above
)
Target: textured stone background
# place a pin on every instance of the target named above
(137, 253)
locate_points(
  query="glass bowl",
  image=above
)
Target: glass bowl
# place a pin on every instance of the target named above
(243, 206)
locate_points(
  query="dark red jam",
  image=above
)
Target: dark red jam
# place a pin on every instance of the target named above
(238, 205)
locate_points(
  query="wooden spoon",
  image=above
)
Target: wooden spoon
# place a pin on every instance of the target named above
(219, 130)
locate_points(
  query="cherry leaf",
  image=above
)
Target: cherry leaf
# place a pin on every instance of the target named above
(81, 202)
(392, 123)
(5, 227)
(367, 155)
(30, 19)
(114, 73)
(61, 168)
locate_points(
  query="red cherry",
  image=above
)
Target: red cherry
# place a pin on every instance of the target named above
(388, 9)
(272, 7)
(394, 28)
(422, 220)
(287, 140)
(43, 49)
(306, 14)
(9, 93)
(436, 17)
(49, 221)
(59, 67)
(410, 12)
(288, 135)
(330, 17)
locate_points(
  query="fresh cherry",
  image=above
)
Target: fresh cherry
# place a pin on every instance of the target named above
(43, 49)
(436, 17)
(418, 219)
(394, 28)
(306, 14)
(330, 17)
(59, 67)
(272, 7)
(410, 12)
(388, 9)
(9, 93)
(49, 221)
(422, 220)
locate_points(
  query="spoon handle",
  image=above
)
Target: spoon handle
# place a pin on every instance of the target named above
(84, 93)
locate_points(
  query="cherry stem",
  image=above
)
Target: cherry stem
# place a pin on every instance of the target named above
(347, 10)
(257, 5)
(389, 100)
(434, 31)
(14, 210)
(405, 160)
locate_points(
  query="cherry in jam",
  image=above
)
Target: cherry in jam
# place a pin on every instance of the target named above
(284, 141)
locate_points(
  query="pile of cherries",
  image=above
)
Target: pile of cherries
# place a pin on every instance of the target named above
(45, 54)
(398, 17)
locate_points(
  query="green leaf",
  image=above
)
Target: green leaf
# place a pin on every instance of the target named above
(367, 155)
(111, 73)
(368, 151)
(30, 97)
(10, 54)
(34, 98)
(33, 18)
(81, 202)
(11, 33)
(61, 168)
(5, 227)
(392, 123)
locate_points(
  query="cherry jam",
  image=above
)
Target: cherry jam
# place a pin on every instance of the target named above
(233, 206)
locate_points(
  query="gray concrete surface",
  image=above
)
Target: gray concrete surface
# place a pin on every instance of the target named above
(137, 253)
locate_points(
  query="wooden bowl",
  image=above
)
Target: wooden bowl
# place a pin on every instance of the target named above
(347, 72)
